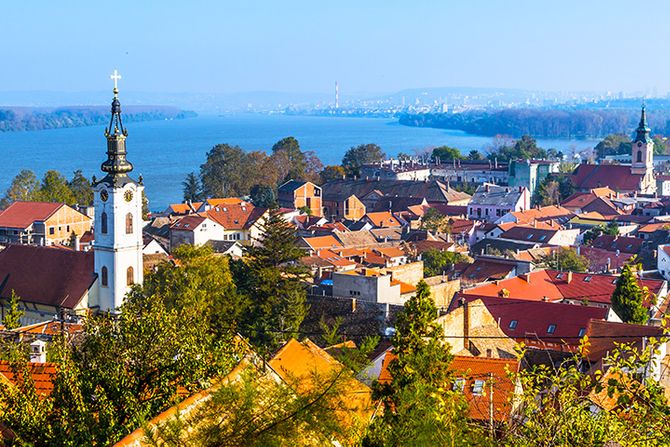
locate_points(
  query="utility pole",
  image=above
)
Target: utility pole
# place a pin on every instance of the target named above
(491, 404)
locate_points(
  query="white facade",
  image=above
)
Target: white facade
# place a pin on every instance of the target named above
(663, 261)
(118, 241)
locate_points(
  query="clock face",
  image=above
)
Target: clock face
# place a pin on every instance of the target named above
(104, 195)
(639, 144)
(128, 196)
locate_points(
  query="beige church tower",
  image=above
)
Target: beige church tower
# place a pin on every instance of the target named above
(118, 218)
(642, 161)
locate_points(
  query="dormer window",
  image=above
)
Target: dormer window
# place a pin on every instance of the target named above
(588, 279)
(512, 324)
(582, 331)
(551, 329)
(478, 388)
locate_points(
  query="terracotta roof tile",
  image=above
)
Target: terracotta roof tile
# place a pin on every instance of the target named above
(616, 177)
(23, 214)
(235, 216)
(42, 375)
(321, 242)
(383, 219)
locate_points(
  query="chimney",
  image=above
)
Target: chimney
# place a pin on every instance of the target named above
(466, 324)
(609, 264)
(353, 305)
(77, 245)
(38, 351)
(579, 250)
(569, 278)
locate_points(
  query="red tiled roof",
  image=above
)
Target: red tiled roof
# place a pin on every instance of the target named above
(590, 202)
(622, 243)
(554, 286)
(42, 375)
(424, 246)
(236, 216)
(542, 213)
(472, 369)
(617, 177)
(459, 226)
(653, 227)
(23, 214)
(187, 223)
(523, 319)
(50, 328)
(486, 270)
(320, 242)
(45, 275)
(604, 334)
(390, 252)
(598, 258)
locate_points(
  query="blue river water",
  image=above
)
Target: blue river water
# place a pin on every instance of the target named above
(165, 151)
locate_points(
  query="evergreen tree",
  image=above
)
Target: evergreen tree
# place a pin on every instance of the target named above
(360, 155)
(420, 407)
(271, 277)
(55, 188)
(191, 186)
(14, 313)
(628, 298)
(296, 158)
(263, 196)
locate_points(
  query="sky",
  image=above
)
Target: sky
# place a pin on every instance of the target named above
(371, 46)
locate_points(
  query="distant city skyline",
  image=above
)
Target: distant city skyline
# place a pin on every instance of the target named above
(367, 47)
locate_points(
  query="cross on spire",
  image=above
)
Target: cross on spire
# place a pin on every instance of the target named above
(115, 77)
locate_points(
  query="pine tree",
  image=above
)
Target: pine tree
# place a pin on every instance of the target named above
(628, 298)
(14, 313)
(191, 186)
(271, 276)
(420, 407)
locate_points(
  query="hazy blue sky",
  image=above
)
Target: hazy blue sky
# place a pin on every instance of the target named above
(368, 46)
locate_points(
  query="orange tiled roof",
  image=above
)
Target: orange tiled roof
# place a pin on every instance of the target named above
(42, 375)
(404, 287)
(23, 214)
(235, 216)
(321, 242)
(542, 213)
(184, 208)
(390, 252)
(50, 328)
(383, 219)
(224, 201)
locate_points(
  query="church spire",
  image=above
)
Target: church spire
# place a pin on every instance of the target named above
(643, 130)
(116, 163)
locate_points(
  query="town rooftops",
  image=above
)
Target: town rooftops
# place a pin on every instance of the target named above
(494, 195)
(529, 234)
(188, 223)
(236, 216)
(432, 191)
(553, 285)
(554, 212)
(45, 275)
(623, 244)
(382, 219)
(23, 214)
(321, 242)
(487, 269)
(588, 201)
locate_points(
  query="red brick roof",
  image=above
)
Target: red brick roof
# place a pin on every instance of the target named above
(598, 258)
(472, 369)
(187, 223)
(543, 213)
(590, 202)
(383, 219)
(45, 275)
(617, 177)
(556, 286)
(42, 375)
(23, 214)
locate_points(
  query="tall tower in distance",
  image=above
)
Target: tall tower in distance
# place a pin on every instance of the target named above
(118, 218)
(337, 95)
(642, 161)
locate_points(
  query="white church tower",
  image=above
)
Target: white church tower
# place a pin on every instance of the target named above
(643, 156)
(118, 218)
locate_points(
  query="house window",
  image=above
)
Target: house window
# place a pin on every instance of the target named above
(129, 223)
(52, 230)
(551, 329)
(478, 388)
(103, 277)
(512, 324)
(68, 228)
(103, 223)
(582, 331)
(639, 156)
(130, 276)
(459, 385)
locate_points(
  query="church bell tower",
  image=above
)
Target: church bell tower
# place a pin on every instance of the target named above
(118, 218)
(642, 161)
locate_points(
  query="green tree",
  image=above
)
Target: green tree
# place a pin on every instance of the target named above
(222, 174)
(191, 188)
(263, 196)
(613, 144)
(435, 221)
(271, 277)
(446, 153)
(590, 235)
(24, 187)
(360, 155)
(523, 148)
(14, 312)
(420, 407)
(81, 188)
(296, 158)
(436, 262)
(565, 259)
(55, 188)
(332, 172)
(660, 145)
(475, 155)
(628, 298)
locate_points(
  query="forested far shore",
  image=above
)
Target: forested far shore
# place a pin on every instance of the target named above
(543, 123)
(34, 118)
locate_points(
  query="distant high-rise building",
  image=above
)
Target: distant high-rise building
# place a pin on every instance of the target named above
(337, 95)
